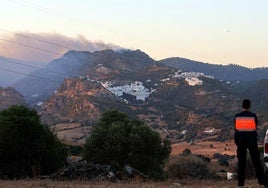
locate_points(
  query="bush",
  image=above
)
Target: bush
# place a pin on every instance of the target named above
(204, 158)
(189, 166)
(223, 159)
(74, 150)
(118, 141)
(186, 151)
(27, 148)
(223, 162)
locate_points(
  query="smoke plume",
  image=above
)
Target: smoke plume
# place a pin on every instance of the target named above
(44, 47)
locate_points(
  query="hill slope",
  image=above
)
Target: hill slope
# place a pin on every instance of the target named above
(9, 96)
(221, 72)
(181, 105)
(42, 83)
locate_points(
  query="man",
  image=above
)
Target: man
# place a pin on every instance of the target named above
(246, 139)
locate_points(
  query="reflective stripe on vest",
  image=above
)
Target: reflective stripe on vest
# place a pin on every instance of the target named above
(245, 124)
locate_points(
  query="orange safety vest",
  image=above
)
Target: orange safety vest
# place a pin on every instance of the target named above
(245, 124)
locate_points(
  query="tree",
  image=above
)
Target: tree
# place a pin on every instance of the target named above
(117, 140)
(27, 148)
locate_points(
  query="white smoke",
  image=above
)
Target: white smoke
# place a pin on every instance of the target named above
(44, 47)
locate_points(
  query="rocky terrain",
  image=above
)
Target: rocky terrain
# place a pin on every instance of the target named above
(9, 96)
(182, 105)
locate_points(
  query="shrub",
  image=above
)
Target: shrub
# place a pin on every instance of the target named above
(27, 148)
(186, 151)
(223, 162)
(74, 150)
(204, 158)
(223, 159)
(189, 166)
(118, 141)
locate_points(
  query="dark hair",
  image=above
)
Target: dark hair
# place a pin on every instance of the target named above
(246, 104)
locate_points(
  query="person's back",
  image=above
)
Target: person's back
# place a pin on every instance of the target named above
(245, 133)
(246, 139)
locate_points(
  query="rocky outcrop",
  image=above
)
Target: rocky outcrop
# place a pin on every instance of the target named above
(9, 96)
(78, 100)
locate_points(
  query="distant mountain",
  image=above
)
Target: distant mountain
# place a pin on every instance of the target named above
(12, 70)
(42, 83)
(9, 96)
(181, 105)
(221, 72)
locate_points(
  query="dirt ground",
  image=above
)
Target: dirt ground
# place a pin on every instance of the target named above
(102, 184)
(207, 148)
(203, 148)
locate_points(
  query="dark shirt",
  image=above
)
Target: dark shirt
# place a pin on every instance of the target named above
(246, 134)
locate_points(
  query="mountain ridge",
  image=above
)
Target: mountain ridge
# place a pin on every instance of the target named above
(43, 82)
(221, 72)
(181, 105)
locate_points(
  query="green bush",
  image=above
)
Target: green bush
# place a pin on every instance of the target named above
(27, 148)
(118, 141)
(189, 166)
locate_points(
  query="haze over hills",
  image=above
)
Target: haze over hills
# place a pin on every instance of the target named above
(181, 104)
(41, 83)
(12, 70)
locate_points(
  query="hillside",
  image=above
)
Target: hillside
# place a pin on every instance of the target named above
(222, 72)
(258, 92)
(179, 105)
(77, 88)
(42, 83)
(9, 96)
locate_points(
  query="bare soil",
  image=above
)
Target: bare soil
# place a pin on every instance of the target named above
(102, 184)
(204, 148)
(207, 148)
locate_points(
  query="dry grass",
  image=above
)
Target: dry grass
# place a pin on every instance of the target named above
(102, 184)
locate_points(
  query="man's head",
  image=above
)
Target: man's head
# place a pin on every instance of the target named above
(246, 104)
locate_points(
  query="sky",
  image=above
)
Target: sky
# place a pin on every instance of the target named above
(210, 31)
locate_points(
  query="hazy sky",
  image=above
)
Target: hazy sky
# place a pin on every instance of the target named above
(212, 31)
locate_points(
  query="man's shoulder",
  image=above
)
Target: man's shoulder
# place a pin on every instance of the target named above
(239, 114)
(245, 114)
